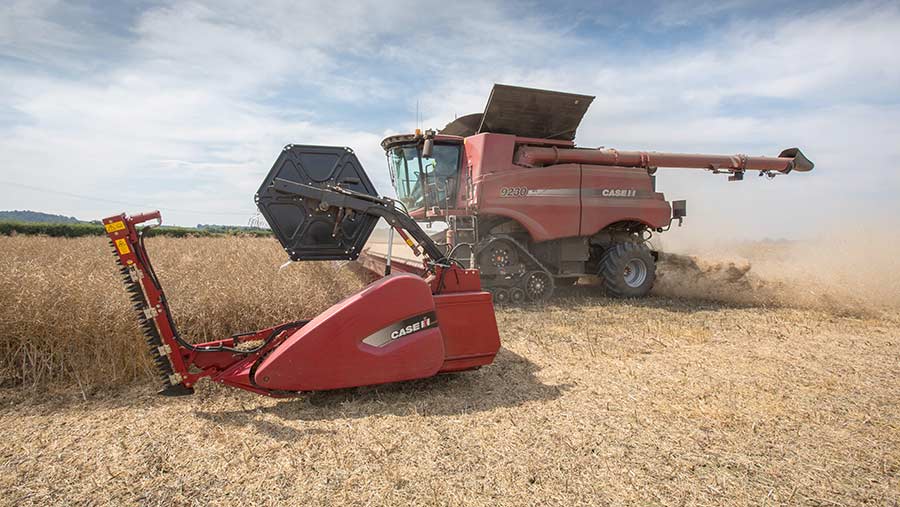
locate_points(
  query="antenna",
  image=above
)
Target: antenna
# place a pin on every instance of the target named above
(417, 114)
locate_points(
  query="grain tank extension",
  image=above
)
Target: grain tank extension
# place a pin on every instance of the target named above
(531, 210)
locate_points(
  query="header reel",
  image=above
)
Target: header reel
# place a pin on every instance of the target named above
(307, 229)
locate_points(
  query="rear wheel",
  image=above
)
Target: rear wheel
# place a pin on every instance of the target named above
(627, 270)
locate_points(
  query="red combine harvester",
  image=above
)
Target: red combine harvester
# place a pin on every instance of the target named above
(322, 206)
(530, 210)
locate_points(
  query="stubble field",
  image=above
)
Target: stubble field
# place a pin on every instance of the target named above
(728, 386)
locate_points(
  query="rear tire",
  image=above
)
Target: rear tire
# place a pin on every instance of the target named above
(628, 270)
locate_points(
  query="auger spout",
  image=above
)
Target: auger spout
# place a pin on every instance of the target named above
(788, 160)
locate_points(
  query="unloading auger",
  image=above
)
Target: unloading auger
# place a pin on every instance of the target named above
(321, 205)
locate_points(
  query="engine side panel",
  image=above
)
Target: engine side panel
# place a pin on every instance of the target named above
(545, 200)
(615, 194)
(562, 200)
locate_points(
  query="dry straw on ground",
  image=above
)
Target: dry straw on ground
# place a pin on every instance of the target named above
(664, 401)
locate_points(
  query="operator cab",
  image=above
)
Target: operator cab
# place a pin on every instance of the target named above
(424, 182)
(430, 186)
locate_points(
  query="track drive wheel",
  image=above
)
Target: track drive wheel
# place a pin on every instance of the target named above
(501, 256)
(628, 270)
(538, 286)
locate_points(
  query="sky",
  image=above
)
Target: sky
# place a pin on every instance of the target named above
(183, 106)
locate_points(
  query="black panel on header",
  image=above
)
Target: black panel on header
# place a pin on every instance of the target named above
(304, 230)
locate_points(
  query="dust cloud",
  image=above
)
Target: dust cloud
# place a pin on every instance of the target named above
(850, 270)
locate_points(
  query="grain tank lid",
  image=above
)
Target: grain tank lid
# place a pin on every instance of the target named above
(464, 126)
(529, 112)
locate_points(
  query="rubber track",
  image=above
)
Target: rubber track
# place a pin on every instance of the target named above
(540, 267)
(148, 327)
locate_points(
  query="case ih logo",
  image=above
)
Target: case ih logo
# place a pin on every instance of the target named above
(396, 331)
(618, 192)
(425, 323)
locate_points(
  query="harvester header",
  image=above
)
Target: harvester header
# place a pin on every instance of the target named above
(321, 205)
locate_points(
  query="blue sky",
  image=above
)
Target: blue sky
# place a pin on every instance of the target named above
(184, 105)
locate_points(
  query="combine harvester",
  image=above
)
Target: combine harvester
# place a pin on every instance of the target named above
(321, 205)
(530, 210)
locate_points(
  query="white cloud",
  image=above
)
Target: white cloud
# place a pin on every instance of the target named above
(188, 112)
(182, 119)
(827, 82)
(34, 31)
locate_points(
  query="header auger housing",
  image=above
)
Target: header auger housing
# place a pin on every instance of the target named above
(531, 210)
(322, 206)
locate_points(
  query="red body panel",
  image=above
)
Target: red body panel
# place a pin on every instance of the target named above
(333, 351)
(599, 210)
(466, 316)
(329, 353)
(556, 201)
(543, 199)
(469, 329)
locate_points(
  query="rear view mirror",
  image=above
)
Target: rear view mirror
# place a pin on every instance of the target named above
(679, 211)
(428, 146)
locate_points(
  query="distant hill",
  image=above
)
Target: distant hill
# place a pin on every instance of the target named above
(36, 216)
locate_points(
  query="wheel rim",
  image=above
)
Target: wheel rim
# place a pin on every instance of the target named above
(538, 286)
(501, 296)
(635, 273)
(500, 257)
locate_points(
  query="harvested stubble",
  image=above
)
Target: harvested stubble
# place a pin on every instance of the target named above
(590, 402)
